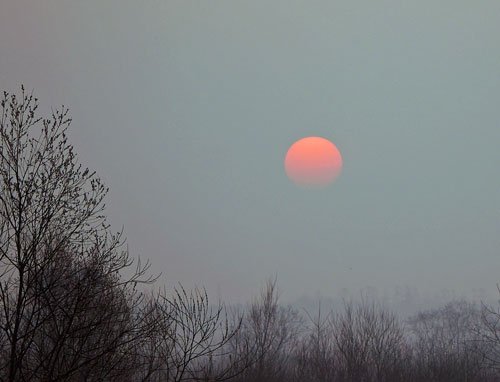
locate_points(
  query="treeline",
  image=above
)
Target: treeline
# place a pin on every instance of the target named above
(74, 306)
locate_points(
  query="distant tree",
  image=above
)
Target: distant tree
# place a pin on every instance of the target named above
(315, 357)
(189, 339)
(268, 337)
(446, 344)
(370, 343)
(489, 333)
(66, 310)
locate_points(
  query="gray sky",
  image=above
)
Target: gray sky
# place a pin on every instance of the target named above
(186, 110)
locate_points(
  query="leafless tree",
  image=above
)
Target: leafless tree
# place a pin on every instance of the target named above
(446, 344)
(489, 333)
(190, 338)
(315, 357)
(268, 337)
(65, 306)
(370, 343)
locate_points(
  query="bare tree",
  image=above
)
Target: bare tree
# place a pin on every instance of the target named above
(268, 337)
(315, 358)
(190, 338)
(446, 343)
(489, 333)
(369, 342)
(65, 307)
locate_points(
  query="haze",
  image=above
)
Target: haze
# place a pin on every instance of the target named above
(186, 110)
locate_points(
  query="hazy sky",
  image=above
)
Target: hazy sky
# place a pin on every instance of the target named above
(186, 110)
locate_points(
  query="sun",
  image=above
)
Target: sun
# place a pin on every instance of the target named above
(313, 161)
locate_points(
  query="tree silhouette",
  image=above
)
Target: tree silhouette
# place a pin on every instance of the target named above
(65, 306)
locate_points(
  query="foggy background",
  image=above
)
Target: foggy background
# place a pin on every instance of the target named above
(186, 110)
